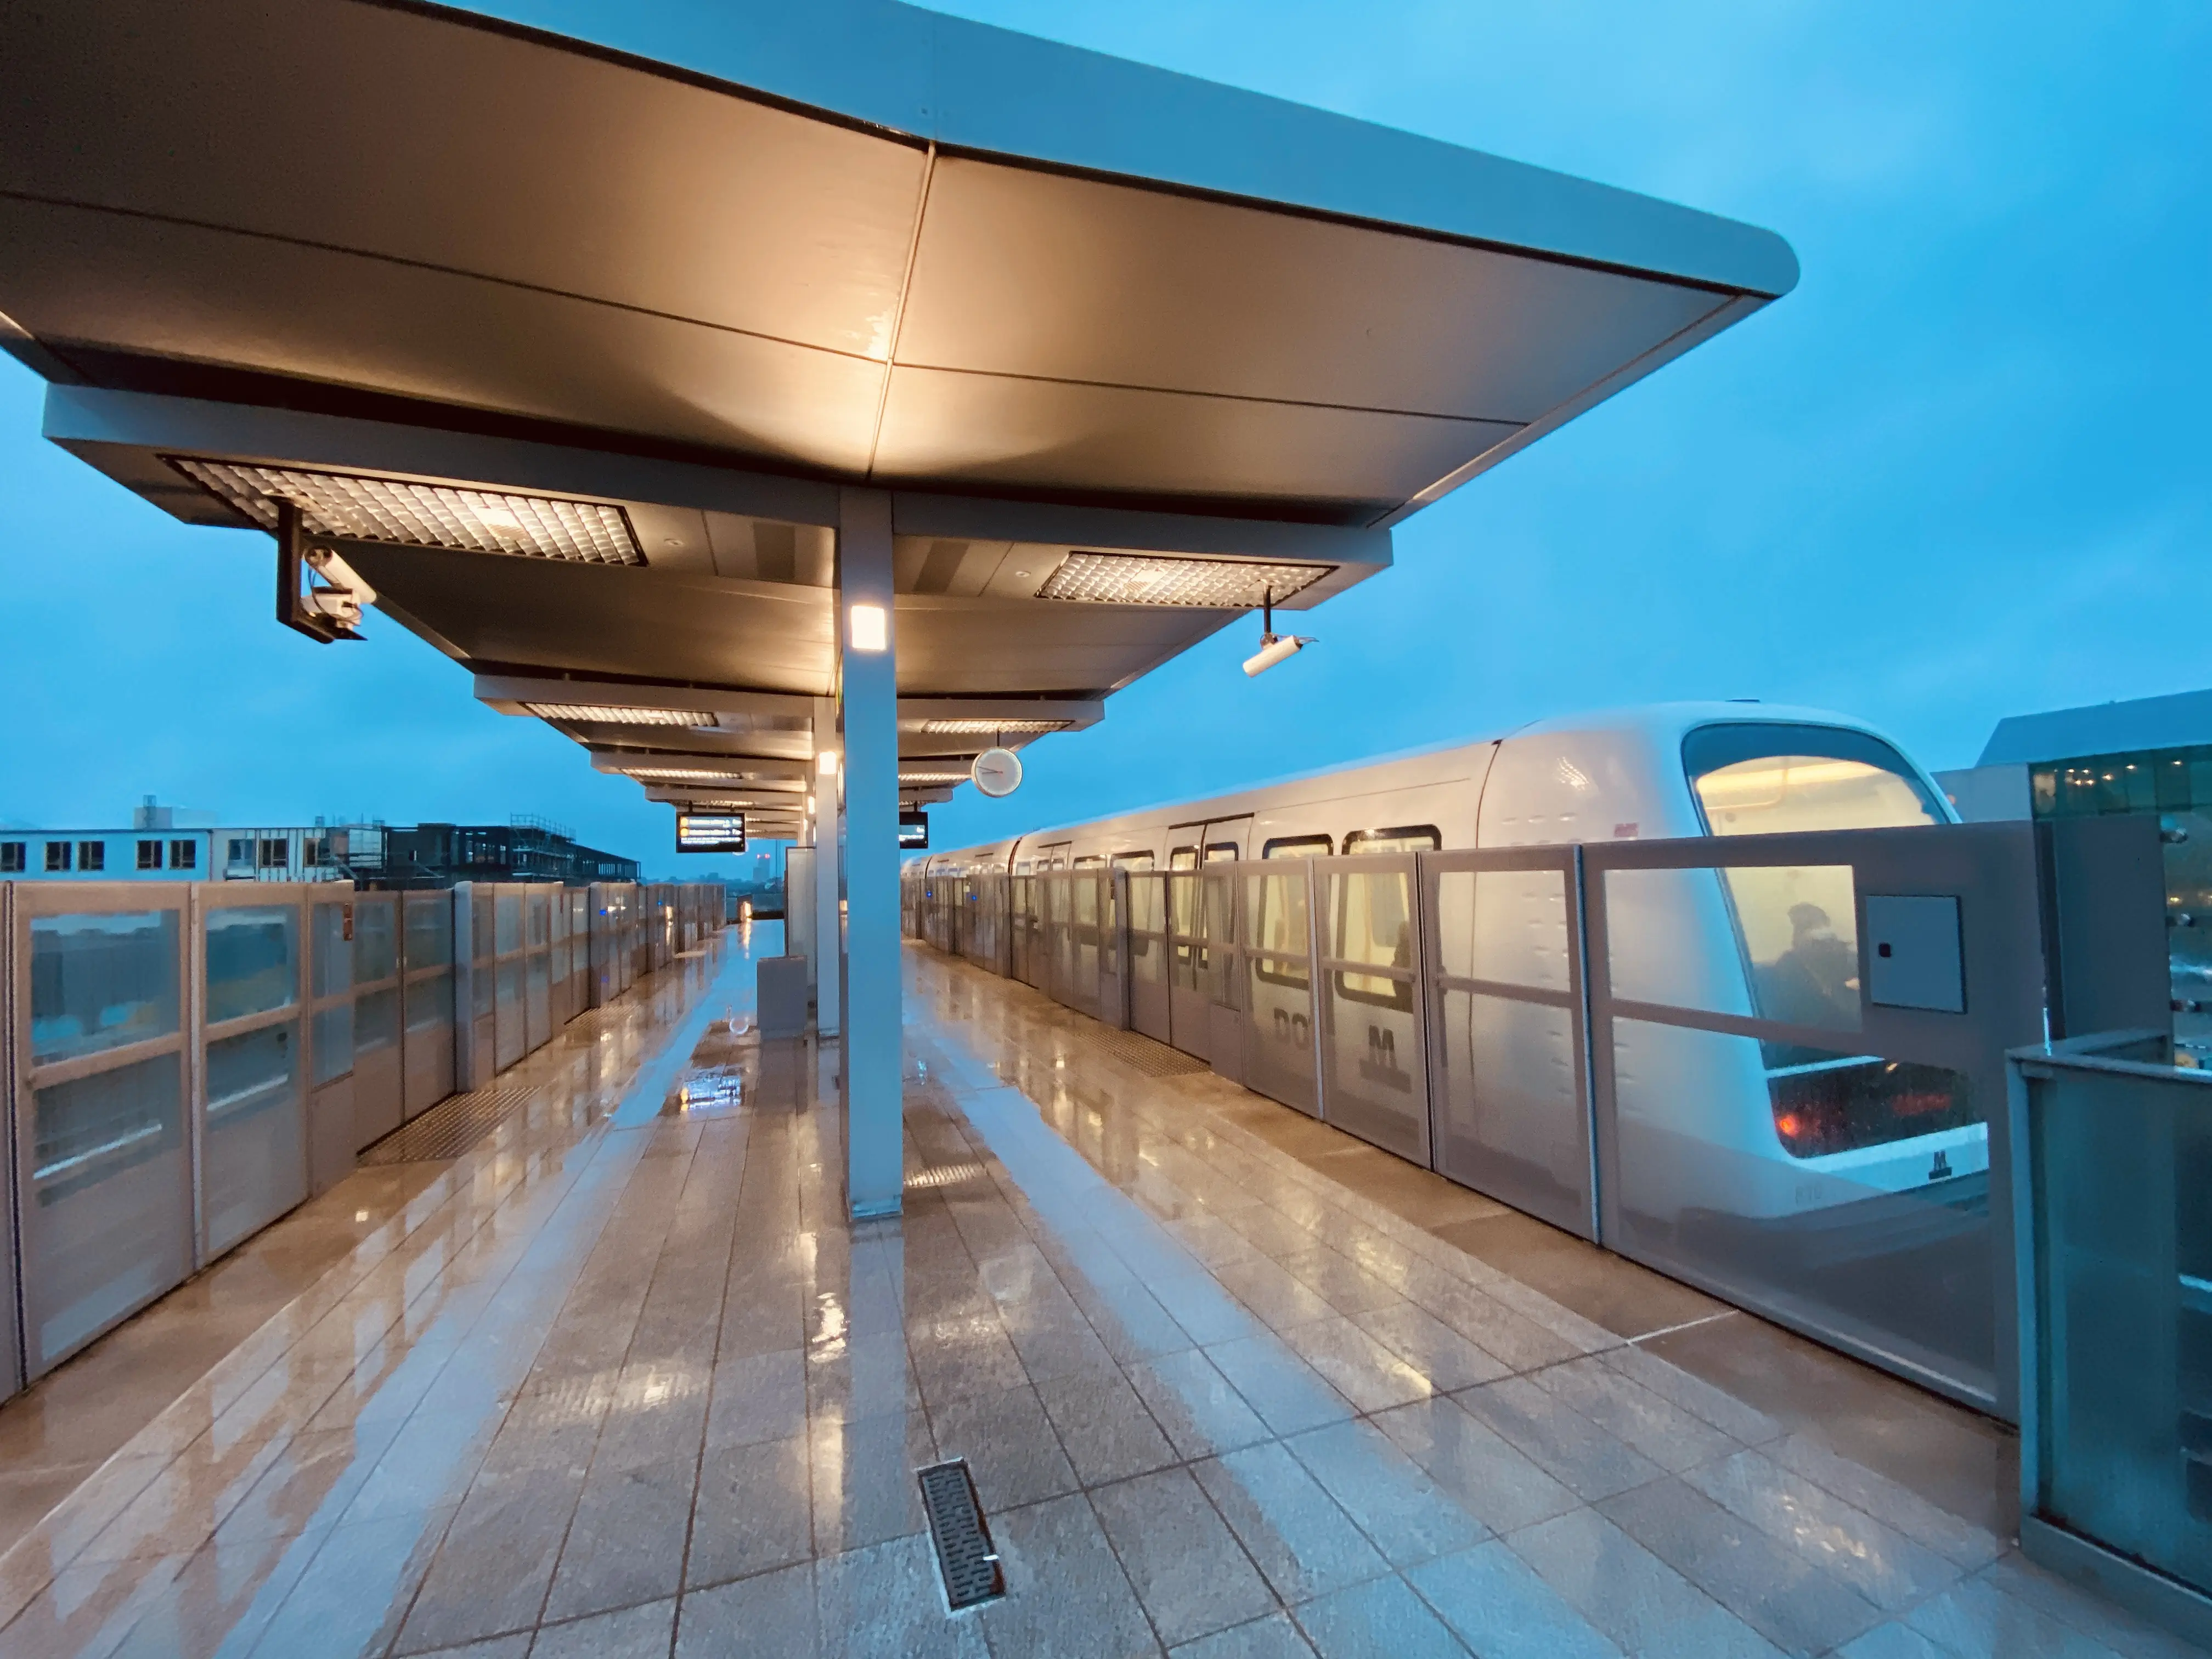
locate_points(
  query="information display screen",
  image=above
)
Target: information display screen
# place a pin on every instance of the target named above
(914, 832)
(710, 832)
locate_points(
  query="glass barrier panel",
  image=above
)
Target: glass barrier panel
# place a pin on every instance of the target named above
(253, 1167)
(2124, 1321)
(1372, 913)
(1509, 1117)
(484, 990)
(375, 939)
(1685, 938)
(375, 1019)
(334, 1044)
(252, 960)
(1147, 904)
(110, 1219)
(1848, 1193)
(1509, 926)
(482, 924)
(102, 981)
(429, 930)
(1275, 913)
(510, 1021)
(429, 1004)
(331, 959)
(539, 916)
(1373, 1070)
(1218, 961)
(1279, 1052)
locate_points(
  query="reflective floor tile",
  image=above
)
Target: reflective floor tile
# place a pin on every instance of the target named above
(1493, 1482)
(1289, 1394)
(1365, 1372)
(1188, 1570)
(1382, 1618)
(1641, 1603)
(634, 1632)
(1444, 1359)
(1977, 1620)
(1012, 1452)
(1105, 1429)
(1883, 1565)
(1648, 1424)
(1585, 1459)
(1288, 1524)
(1194, 1405)
(753, 1511)
(1404, 1513)
(773, 1614)
(1066, 1595)
(625, 1543)
(1793, 1604)
(1273, 1637)
(1494, 1601)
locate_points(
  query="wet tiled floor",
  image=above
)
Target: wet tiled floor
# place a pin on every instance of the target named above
(625, 1382)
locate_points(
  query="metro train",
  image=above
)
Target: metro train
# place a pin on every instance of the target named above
(1708, 1125)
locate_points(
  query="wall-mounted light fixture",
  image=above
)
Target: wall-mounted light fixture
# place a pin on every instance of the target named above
(869, 629)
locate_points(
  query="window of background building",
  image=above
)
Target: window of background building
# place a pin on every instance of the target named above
(149, 856)
(184, 855)
(241, 852)
(92, 855)
(11, 855)
(58, 855)
(275, 855)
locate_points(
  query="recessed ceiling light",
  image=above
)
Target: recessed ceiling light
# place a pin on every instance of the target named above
(355, 508)
(988, 727)
(1147, 579)
(611, 714)
(680, 773)
(932, 777)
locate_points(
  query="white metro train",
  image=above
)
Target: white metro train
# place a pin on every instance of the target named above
(1708, 1125)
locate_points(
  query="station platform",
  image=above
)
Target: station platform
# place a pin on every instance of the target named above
(621, 1379)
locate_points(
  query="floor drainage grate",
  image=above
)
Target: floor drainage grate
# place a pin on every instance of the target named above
(965, 1558)
(447, 1129)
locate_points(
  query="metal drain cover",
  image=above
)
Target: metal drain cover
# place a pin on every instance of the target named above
(965, 1558)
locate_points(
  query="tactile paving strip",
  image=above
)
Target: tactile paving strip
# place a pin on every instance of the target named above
(965, 1558)
(1136, 1050)
(449, 1128)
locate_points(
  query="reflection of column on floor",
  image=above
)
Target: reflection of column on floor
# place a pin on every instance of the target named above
(829, 980)
(868, 692)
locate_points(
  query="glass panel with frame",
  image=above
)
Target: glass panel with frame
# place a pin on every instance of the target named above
(1847, 1193)
(1511, 1120)
(107, 1219)
(252, 960)
(254, 1156)
(1278, 1050)
(1373, 1070)
(1184, 917)
(102, 981)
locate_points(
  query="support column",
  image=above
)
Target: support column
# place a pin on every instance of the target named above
(828, 870)
(868, 690)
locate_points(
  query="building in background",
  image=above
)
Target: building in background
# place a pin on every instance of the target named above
(155, 848)
(2151, 756)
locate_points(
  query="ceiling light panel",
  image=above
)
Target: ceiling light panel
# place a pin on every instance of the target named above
(351, 508)
(678, 774)
(932, 777)
(1143, 579)
(608, 714)
(968, 728)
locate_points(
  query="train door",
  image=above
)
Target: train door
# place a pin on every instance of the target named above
(1148, 944)
(1279, 1035)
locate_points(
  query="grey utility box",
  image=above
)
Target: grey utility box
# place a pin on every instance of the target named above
(780, 993)
(1914, 958)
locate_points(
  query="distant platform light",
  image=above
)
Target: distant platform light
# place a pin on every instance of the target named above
(609, 714)
(349, 507)
(1147, 579)
(976, 728)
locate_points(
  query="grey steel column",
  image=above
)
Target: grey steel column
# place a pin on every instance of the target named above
(828, 869)
(868, 690)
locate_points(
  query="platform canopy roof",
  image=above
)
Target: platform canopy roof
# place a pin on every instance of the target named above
(571, 320)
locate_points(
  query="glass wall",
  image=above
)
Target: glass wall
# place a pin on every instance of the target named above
(252, 1139)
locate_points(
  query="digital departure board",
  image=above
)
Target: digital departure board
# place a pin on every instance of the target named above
(914, 832)
(710, 832)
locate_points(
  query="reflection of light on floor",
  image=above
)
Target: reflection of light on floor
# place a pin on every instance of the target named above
(711, 1088)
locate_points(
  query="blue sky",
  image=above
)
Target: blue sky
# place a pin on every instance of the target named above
(1962, 472)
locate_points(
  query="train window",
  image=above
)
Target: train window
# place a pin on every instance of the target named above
(1139, 860)
(1090, 861)
(1770, 778)
(1221, 851)
(1406, 838)
(1299, 847)
(1182, 899)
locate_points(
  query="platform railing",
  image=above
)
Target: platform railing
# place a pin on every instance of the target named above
(1668, 1048)
(2114, 1257)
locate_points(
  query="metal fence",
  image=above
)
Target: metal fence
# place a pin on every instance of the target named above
(2115, 1275)
(1693, 1053)
(185, 1062)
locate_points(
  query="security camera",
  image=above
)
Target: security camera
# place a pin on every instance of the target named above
(1273, 647)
